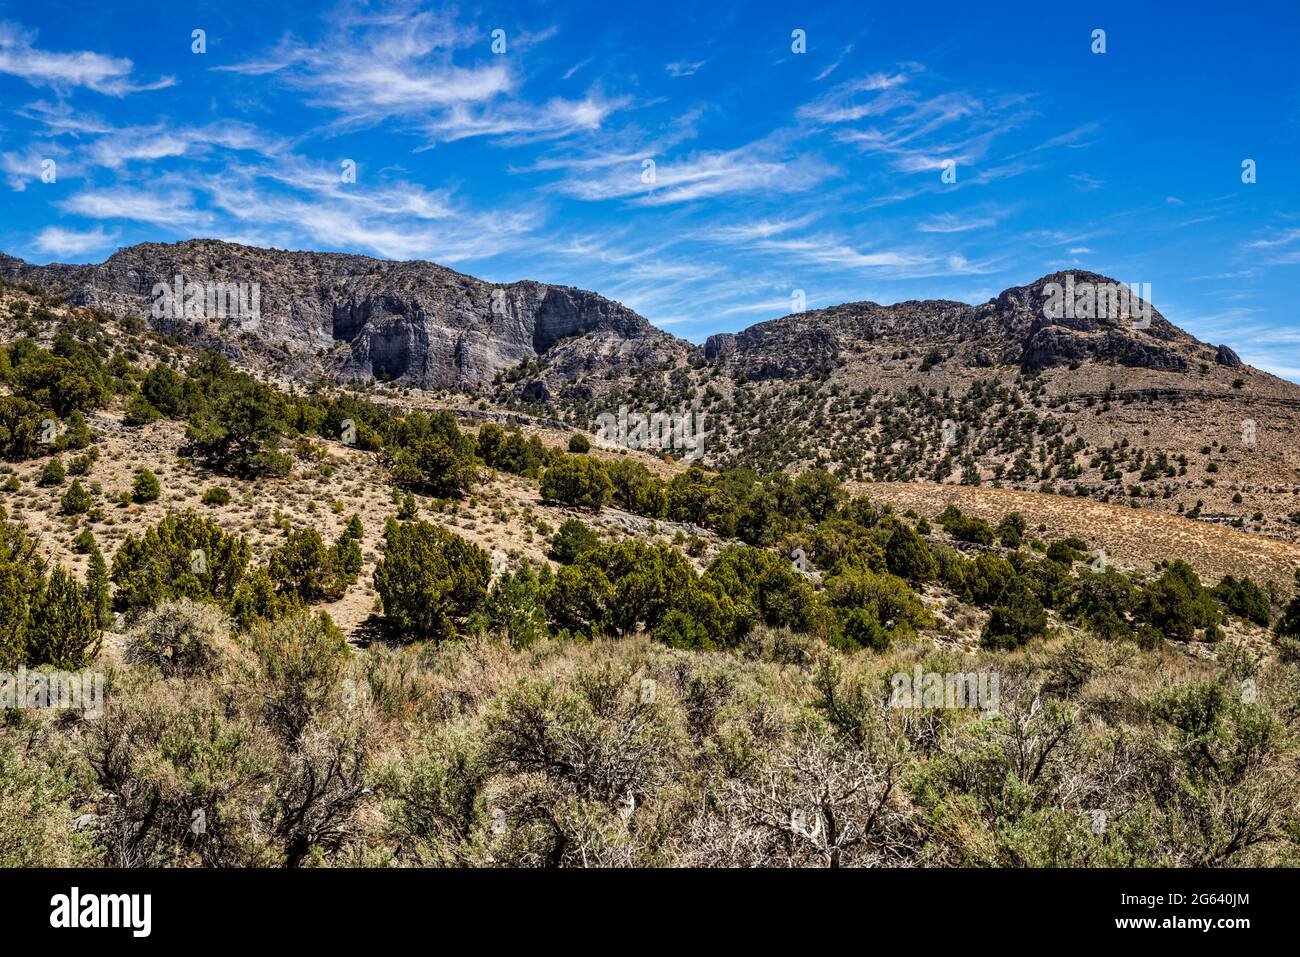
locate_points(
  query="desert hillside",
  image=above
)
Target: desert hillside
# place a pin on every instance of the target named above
(371, 624)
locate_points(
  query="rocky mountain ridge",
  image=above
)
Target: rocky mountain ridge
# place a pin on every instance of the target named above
(1012, 329)
(1116, 405)
(350, 317)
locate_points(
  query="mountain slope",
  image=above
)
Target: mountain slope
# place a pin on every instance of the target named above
(1126, 408)
(1011, 329)
(352, 317)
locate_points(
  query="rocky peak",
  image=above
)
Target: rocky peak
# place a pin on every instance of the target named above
(1062, 318)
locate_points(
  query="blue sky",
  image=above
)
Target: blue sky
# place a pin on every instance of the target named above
(774, 170)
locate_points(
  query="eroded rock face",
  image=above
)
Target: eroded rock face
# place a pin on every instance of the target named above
(1015, 328)
(797, 345)
(351, 317)
(716, 346)
(1226, 357)
(535, 391)
(1054, 345)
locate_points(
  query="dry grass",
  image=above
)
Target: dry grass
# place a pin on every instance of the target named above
(1132, 538)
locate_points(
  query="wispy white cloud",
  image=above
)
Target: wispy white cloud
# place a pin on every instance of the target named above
(757, 167)
(1043, 238)
(957, 223)
(119, 147)
(890, 115)
(58, 241)
(1282, 239)
(568, 74)
(845, 104)
(20, 57)
(397, 64)
(1078, 138)
(60, 117)
(828, 251)
(834, 65)
(754, 230)
(557, 117)
(396, 220)
(22, 169)
(684, 68)
(172, 209)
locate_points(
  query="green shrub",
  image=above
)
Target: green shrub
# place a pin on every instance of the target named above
(1015, 620)
(571, 540)
(888, 599)
(38, 796)
(140, 412)
(167, 749)
(68, 382)
(859, 628)
(166, 393)
(1243, 598)
(23, 429)
(616, 589)
(53, 473)
(819, 494)
(258, 601)
(636, 490)
(63, 630)
(98, 594)
(514, 610)
(22, 577)
(1011, 530)
(76, 500)
(764, 588)
(908, 556)
(184, 556)
(216, 495)
(965, 528)
(76, 434)
(239, 430)
(145, 488)
(305, 567)
(839, 541)
(1102, 602)
(433, 456)
(510, 451)
(1177, 604)
(577, 480)
(302, 659)
(430, 580)
(82, 463)
(1059, 551)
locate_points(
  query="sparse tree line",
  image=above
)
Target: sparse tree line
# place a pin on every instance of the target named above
(1000, 433)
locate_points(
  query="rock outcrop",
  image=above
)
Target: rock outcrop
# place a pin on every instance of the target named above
(350, 317)
(353, 317)
(1224, 356)
(1015, 328)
